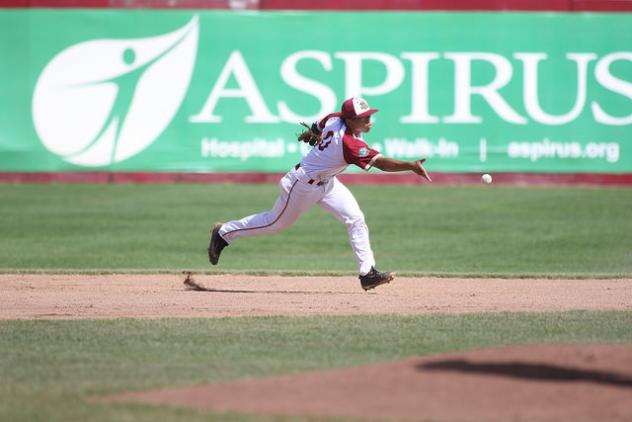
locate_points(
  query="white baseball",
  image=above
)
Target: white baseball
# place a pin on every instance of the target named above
(486, 178)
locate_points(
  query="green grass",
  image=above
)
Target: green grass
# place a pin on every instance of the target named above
(50, 370)
(475, 231)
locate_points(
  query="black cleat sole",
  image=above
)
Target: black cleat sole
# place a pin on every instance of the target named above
(379, 283)
(213, 257)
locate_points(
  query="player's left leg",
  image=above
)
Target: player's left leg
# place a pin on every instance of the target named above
(340, 202)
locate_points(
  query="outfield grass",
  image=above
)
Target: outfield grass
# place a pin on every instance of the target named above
(415, 230)
(50, 369)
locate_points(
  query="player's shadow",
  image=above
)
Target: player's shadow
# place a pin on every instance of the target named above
(530, 371)
(191, 284)
(295, 292)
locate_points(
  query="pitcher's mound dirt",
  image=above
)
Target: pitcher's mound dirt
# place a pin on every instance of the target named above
(534, 383)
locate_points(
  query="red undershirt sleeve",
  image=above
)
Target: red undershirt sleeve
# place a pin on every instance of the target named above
(357, 152)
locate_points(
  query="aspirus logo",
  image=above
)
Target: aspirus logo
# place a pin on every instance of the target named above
(102, 101)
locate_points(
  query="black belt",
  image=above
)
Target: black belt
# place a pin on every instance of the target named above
(311, 181)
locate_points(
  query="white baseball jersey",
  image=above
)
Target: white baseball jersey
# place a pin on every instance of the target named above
(338, 149)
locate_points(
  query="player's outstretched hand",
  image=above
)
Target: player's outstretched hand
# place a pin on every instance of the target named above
(392, 164)
(420, 170)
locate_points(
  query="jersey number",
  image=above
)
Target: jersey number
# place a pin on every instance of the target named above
(322, 146)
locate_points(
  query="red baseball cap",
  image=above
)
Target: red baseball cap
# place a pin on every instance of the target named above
(355, 108)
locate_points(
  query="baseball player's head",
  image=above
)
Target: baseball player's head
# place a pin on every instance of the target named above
(357, 114)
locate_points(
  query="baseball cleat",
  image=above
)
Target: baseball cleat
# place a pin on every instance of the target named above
(375, 278)
(216, 245)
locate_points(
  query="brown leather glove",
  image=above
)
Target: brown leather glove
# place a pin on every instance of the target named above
(311, 136)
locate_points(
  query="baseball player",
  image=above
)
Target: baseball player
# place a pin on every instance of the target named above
(337, 142)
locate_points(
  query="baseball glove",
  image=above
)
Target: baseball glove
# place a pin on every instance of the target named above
(310, 136)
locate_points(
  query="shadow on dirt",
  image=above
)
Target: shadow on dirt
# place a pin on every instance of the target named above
(532, 371)
(191, 284)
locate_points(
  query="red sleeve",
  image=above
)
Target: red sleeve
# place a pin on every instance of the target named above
(357, 152)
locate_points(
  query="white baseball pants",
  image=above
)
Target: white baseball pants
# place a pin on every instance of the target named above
(295, 198)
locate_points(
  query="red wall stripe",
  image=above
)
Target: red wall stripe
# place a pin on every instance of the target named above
(544, 179)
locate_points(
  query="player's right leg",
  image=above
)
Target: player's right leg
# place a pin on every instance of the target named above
(294, 199)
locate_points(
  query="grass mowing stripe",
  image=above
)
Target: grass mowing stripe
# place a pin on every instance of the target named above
(99, 356)
(299, 273)
(414, 230)
(71, 353)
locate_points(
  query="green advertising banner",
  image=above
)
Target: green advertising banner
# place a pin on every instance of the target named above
(208, 91)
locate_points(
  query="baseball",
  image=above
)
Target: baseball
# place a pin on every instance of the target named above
(486, 178)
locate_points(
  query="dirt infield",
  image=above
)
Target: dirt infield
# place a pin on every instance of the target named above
(28, 296)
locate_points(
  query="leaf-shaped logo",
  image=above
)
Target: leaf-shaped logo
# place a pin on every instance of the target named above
(102, 101)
